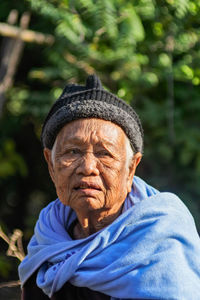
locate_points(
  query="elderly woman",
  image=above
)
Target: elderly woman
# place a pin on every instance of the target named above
(109, 235)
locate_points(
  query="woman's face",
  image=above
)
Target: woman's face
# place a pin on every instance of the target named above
(89, 166)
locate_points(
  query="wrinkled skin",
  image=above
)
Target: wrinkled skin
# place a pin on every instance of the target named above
(90, 171)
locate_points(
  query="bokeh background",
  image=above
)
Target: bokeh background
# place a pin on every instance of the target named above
(146, 51)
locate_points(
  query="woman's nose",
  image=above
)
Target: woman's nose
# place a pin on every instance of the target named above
(88, 165)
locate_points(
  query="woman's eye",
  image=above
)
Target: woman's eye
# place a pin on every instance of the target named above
(74, 151)
(103, 153)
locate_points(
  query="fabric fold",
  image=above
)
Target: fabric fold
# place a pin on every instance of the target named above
(151, 251)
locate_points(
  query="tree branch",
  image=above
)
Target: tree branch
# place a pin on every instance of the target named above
(25, 35)
(13, 250)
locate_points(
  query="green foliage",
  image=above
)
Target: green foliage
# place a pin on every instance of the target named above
(146, 51)
(5, 266)
(10, 161)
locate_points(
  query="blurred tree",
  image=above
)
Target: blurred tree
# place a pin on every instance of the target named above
(147, 52)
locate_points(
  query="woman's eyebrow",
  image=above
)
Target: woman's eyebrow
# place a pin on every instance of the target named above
(80, 140)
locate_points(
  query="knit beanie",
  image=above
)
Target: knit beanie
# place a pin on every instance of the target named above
(91, 101)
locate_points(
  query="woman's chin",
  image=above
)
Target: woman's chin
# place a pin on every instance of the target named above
(86, 202)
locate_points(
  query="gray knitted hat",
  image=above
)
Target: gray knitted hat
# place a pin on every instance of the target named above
(91, 101)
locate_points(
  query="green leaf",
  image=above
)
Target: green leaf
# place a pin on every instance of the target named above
(131, 27)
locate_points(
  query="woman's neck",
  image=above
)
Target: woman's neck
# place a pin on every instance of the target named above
(89, 224)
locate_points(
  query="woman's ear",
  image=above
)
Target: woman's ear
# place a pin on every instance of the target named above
(48, 158)
(132, 168)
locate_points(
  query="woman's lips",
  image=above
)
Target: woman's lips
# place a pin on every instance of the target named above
(87, 188)
(87, 185)
(87, 192)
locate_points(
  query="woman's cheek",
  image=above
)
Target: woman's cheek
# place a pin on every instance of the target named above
(62, 190)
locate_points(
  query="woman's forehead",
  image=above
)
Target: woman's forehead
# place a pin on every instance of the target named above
(94, 130)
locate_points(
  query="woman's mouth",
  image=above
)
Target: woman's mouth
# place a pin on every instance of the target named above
(87, 188)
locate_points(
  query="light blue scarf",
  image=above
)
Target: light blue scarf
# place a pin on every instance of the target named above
(151, 251)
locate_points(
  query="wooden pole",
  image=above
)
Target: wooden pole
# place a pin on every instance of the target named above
(170, 90)
(12, 47)
(7, 45)
(11, 56)
(25, 35)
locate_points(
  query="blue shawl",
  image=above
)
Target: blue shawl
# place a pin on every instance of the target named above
(151, 251)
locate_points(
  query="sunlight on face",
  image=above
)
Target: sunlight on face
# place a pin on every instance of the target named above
(90, 165)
